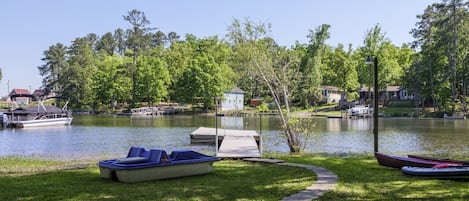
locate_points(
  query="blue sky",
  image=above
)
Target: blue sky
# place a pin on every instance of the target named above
(29, 27)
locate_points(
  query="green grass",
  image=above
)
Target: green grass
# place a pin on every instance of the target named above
(398, 111)
(361, 178)
(230, 180)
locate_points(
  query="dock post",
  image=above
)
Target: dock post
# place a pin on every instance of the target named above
(216, 125)
(260, 133)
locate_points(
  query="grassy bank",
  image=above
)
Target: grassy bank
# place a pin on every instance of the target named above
(361, 178)
(28, 179)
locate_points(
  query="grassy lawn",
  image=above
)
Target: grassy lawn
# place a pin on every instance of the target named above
(398, 111)
(360, 178)
(27, 179)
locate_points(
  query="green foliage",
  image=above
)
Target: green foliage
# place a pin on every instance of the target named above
(262, 107)
(304, 127)
(153, 66)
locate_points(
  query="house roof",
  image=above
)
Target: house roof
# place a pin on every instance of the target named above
(393, 88)
(236, 90)
(330, 88)
(388, 88)
(38, 92)
(19, 92)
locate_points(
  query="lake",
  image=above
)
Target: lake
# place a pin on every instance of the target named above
(105, 136)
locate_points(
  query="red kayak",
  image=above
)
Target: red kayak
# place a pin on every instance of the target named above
(414, 161)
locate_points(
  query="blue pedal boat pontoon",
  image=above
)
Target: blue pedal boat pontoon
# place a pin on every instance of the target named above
(144, 165)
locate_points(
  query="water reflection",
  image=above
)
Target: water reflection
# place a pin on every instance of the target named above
(111, 136)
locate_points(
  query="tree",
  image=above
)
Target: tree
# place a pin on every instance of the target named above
(311, 66)
(153, 77)
(110, 83)
(341, 71)
(120, 41)
(276, 67)
(138, 40)
(55, 59)
(207, 74)
(106, 44)
(77, 77)
(373, 41)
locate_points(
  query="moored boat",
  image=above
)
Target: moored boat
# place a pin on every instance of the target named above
(144, 165)
(447, 172)
(447, 160)
(400, 161)
(37, 116)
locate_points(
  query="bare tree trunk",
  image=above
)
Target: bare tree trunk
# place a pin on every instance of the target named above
(453, 61)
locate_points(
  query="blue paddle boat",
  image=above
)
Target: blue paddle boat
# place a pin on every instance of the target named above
(144, 165)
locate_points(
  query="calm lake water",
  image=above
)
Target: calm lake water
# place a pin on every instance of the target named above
(96, 137)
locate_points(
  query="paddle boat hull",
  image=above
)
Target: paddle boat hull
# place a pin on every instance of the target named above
(450, 172)
(141, 165)
(400, 161)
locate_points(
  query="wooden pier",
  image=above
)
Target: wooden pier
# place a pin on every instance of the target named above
(234, 143)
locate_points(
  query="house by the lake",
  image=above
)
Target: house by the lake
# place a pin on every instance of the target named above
(330, 94)
(233, 100)
(387, 94)
(20, 96)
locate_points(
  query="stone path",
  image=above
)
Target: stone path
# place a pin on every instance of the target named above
(326, 180)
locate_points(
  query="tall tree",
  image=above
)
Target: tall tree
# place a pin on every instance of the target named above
(55, 59)
(311, 66)
(138, 40)
(372, 43)
(77, 82)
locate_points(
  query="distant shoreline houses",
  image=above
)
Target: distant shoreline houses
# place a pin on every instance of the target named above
(24, 96)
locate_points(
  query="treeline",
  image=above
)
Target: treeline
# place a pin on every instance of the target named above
(142, 64)
(439, 73)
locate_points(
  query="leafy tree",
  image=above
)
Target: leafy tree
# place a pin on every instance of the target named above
(207, 74)
(373, 42)
(311, 66)
(275, 66)
(153, 77)
(110, 84)
(77, 79)
(341, 71)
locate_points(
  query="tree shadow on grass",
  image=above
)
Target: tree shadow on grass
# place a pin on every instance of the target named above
(231, 180)
(361, 178)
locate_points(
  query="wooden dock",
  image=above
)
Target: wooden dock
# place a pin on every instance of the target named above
(234, 143)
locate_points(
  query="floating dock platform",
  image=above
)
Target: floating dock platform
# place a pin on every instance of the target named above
(233, 143)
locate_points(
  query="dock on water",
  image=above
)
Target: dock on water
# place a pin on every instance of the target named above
(232, 143)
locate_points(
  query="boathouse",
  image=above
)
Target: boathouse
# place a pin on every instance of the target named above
(233, 100)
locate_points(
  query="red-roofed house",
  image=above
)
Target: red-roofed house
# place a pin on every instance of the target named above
(20, 96)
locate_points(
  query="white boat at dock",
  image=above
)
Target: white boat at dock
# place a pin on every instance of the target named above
(38, 116)
(359, 111)
(146, 112)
